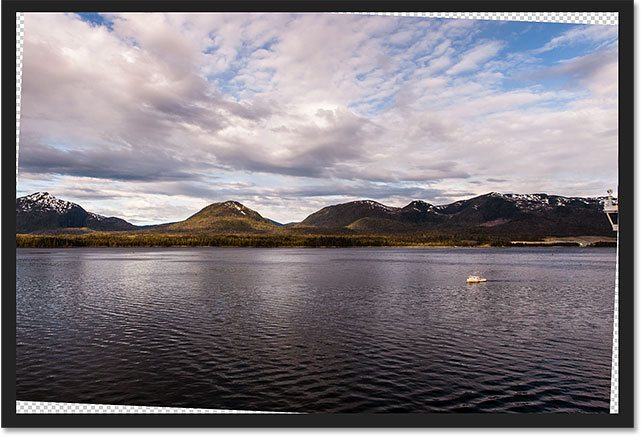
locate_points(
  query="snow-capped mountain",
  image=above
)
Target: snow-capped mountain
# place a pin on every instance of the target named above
(536, 214)
(40, 212)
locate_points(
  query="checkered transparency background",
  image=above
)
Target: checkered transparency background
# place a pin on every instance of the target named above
(20, 32)
(33, 407)
(615, 383)
(605, 18)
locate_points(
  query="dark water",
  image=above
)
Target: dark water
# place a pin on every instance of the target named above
(318, 330)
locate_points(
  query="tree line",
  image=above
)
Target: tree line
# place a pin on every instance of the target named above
(156, 240)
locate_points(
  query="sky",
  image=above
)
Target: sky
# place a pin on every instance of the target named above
(151, 117)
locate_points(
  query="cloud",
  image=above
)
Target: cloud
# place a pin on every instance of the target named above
(288, 111)
(581, 34)
(475, 57)
(105, 163)
(595, 71)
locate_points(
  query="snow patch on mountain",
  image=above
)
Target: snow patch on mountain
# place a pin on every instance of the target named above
(44, 201)
(536, 201)
(375, 205)
(234, 206)
(97, 216)
(418, 205)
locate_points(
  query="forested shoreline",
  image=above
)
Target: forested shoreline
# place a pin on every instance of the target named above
(161, 240)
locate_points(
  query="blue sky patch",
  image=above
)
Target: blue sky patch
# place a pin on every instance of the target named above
(96, 19)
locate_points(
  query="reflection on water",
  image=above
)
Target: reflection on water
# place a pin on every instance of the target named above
(318, 330)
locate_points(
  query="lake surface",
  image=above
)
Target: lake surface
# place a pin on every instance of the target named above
(318, 330)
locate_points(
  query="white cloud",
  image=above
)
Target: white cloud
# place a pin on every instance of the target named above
(585, 33)
(475, 57)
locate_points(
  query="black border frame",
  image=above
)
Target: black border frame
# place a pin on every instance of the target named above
(625, 418)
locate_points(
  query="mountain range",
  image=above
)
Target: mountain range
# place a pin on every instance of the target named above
(513, 215)
(494, 213)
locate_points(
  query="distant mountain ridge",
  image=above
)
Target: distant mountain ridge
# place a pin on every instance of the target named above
(43, 212)
(540, 213)
(505, 215)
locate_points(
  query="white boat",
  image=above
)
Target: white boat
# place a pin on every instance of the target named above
(475, 279)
